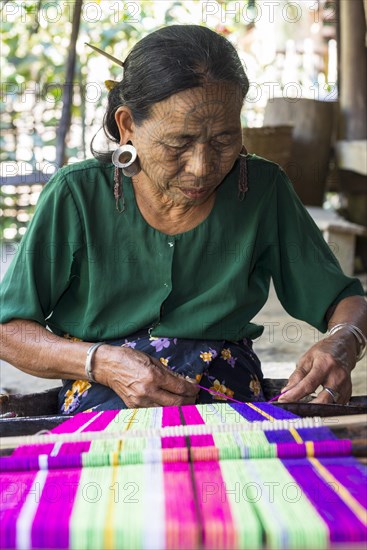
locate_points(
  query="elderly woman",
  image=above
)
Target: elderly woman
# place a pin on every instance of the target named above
(153, 265)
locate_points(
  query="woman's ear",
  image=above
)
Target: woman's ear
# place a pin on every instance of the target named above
(124, 123)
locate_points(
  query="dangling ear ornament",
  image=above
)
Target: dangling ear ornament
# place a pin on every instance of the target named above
(120, 158)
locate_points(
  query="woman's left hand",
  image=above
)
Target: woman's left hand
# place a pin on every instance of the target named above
(329, 364)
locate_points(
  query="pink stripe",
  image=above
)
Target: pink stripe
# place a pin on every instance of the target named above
(218, 528)
(14, 489)
(218, 524)
(71, 426)
(193, 417)
(56, 506)
(58, 495)
(182, 528)
(99, 424)
(171, 417)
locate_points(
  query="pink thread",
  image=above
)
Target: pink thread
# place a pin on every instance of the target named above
(221, 394)
(236, 400)
(279, 395)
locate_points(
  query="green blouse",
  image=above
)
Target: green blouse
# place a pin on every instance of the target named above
(85, 269)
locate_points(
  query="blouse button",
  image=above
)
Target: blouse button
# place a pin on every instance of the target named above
(170, 243)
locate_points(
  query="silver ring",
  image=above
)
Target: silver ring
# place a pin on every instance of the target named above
(334, 394)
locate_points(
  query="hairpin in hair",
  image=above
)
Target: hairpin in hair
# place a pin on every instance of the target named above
(110, 84)
(111, 57)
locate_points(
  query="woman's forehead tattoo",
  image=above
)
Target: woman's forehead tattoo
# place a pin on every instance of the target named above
(204, 110)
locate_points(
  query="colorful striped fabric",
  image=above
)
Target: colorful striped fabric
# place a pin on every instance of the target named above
(229, 488)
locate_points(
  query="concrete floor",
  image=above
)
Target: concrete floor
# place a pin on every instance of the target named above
(284, 340)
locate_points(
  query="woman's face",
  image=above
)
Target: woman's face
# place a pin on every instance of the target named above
(190, 142)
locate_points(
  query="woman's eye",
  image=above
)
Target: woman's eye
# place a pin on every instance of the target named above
(222, 141)
(179, 146)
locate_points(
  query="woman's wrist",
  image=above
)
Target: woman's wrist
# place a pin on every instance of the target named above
(345, 340)
(107, 360)
(351, 334)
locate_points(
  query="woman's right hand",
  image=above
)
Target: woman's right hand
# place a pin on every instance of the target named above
(141, 380)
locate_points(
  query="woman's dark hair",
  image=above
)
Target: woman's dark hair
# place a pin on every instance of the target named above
(167, 61)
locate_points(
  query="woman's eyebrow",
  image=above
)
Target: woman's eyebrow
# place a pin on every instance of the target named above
(190, 136)
(179, 136)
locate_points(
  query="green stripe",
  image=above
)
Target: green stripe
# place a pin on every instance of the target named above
(246, 521)
(90, 507)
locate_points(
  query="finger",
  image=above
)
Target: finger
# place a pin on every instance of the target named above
(297, 375)
(303, 382)
(178, 385)
(167, 399)
(323, 398)
(174, 382)
(343, 393)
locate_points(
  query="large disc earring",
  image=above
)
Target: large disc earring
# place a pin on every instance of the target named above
(125, 157)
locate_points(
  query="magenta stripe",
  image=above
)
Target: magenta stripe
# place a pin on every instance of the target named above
(100, 423)
(69, 426)
(182, 529)
(60, 490)
(218, 524)
(218, 528)
(14, 489)
(50, 527)
(171, 417)
(193, 417)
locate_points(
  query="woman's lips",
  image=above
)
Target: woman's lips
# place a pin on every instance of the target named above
(193, 193)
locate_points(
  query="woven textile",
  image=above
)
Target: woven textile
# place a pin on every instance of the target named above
(201, 476)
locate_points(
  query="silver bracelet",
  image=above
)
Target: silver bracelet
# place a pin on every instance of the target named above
(358, 334)
(88, 362)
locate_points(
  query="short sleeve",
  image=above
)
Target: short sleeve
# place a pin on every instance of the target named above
(44, 264)
(307, 277)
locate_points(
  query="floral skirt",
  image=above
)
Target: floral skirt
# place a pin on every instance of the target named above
(223, 367)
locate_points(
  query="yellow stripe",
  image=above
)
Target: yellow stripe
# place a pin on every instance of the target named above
(342, 492)
(109, 531)
(114, 457)
(268, 416)
(109, 539)
(310, 448)
(132, 419)
(296, 435)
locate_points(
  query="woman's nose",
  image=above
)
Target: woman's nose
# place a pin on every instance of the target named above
(199, 162)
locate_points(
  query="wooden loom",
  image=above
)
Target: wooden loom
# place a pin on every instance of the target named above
(204, 476)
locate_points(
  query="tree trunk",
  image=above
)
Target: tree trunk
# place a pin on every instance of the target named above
(68, 88)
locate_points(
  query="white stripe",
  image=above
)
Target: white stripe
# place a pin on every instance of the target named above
(43, 462)
(25, 519)
(55, 451)
(90, 421)
(154, 533)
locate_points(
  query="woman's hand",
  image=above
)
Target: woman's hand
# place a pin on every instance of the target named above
(328, 363)
(141, 380)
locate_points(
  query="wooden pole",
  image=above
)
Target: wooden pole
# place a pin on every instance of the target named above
(171, 431)
(353, 75)
(68, 88)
